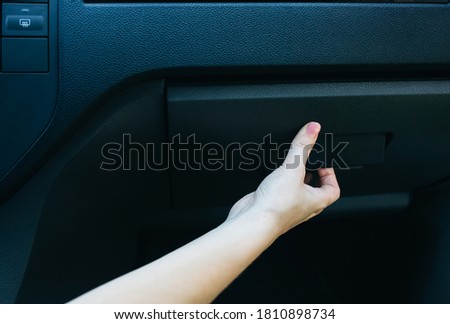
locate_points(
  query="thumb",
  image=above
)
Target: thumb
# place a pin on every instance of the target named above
(301, 146)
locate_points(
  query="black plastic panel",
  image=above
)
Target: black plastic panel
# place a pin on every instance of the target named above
(103, 49)
(259, 1)
(28, 85)
(414, 115)
(88, 218)
(347, 151)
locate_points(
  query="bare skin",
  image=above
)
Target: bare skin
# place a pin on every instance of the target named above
(199, 271)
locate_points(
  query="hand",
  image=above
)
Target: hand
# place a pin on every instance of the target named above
(283, 198)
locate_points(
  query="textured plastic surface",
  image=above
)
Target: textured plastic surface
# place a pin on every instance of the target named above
(27, 100)
(102, 46)
(101, 202)
(95, 238)
(105, 48)
(30, 0)
(25, 55)
(415, 114)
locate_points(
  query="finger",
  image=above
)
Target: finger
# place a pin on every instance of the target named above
(329, 190)
(301, 146)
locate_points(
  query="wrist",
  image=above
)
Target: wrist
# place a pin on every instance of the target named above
(261, 223)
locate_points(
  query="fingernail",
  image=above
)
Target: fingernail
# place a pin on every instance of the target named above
(313, 129)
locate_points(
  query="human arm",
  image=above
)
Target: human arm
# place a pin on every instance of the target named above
(200, 270)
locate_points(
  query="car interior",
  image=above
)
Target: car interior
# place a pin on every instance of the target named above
(76, 75)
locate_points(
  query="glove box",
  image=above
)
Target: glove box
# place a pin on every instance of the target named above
(229, 137)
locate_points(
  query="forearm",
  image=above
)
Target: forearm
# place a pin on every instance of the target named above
(194, 273)
(200, 270)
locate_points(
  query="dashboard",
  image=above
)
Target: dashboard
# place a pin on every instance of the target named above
(76, 74)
